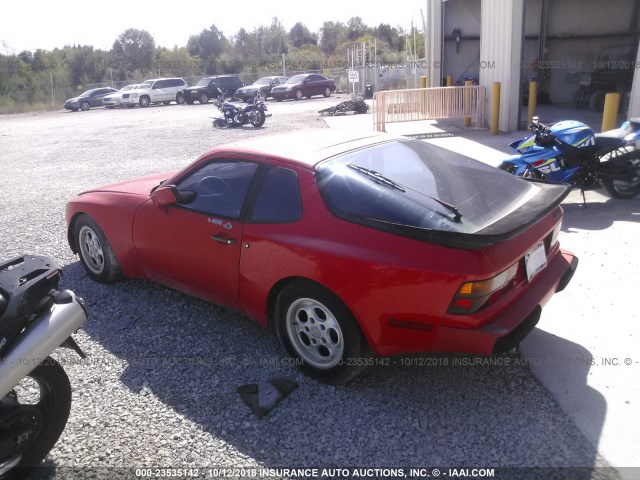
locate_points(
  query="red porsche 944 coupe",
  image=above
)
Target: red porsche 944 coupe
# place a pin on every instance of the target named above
(351, 244)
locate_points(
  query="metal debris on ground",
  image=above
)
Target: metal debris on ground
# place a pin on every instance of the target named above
(263, 397)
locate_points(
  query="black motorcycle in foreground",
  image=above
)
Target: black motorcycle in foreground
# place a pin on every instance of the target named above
(233, 116)
(35, 393)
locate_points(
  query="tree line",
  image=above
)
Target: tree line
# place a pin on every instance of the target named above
(29, 79)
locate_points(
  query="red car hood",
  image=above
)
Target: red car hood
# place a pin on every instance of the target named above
(137, 186)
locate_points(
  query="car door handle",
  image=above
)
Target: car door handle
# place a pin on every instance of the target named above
(225, 240)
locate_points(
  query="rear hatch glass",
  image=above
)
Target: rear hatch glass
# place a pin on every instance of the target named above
(417, 189)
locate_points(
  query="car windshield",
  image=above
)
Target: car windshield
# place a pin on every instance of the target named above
(88, 92)
(416, 184)
(126, 88)
(263, 81)
(297, 79)
(203, 82)
(144, 85)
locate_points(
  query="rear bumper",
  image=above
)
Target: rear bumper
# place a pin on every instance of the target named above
(513, 325)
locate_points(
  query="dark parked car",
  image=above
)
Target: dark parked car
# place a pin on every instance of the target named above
(88, 99)
(207, 88)
(304, 85)
(264, 84)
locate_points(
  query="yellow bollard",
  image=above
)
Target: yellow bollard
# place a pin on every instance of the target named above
(467, 103)
(610, 113)
(495, 108)
(449, 80)
(423, 82)
(533, 100)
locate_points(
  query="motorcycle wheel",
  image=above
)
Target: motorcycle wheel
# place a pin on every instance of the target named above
(258, 119)
(44, 419)
(219, 123)
(625, 188)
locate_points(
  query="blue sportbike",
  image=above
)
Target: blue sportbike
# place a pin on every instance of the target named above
(569, 152)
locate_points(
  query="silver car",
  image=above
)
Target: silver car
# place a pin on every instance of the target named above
(114, 100)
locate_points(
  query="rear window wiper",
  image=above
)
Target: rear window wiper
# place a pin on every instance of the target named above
(453, 209)
(376, 176)
(379, 178)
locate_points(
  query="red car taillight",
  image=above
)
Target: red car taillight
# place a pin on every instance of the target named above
(472, 296)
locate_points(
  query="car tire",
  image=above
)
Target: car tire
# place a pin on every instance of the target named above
(298, 95)
(84, 106)
(180, 98)
(327, 92)
(96, 254)
(317, 329)
(596, 102)
(145, 101)
(204, 98)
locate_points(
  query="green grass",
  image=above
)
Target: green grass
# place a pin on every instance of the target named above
(11, 107)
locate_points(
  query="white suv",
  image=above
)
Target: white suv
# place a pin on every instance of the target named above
(157, 90)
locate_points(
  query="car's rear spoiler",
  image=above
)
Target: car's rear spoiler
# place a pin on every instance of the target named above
(548, 198)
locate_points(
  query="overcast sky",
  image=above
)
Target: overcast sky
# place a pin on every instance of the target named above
(48, 24)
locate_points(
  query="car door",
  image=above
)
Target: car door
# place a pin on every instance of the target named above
(196, 243)
(159, 91)
(315, 87)
(96, 97)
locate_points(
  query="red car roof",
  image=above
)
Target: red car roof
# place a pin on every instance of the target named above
(306, 147)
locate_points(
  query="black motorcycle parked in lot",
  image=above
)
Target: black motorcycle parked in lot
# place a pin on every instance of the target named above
(233, 116)
(35, 393)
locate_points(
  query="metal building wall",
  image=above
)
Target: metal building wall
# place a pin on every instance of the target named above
(500, 56)
(434, 42)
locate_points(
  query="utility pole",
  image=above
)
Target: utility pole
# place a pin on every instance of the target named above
(53, 99)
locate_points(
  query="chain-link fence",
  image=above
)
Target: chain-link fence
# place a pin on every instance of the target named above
(52, 93)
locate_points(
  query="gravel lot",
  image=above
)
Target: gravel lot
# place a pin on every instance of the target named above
(159, 387)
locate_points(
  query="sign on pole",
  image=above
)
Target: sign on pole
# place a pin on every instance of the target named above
(353, 76)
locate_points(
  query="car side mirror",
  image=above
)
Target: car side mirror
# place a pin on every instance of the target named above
(165, 195)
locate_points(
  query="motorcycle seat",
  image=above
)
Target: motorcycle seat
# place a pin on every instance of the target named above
(611, 138)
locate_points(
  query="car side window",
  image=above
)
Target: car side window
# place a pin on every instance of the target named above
(278, 199)
(220, 187)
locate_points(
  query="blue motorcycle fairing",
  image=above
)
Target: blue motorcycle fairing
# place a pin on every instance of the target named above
(573, 133)
(546, 159)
